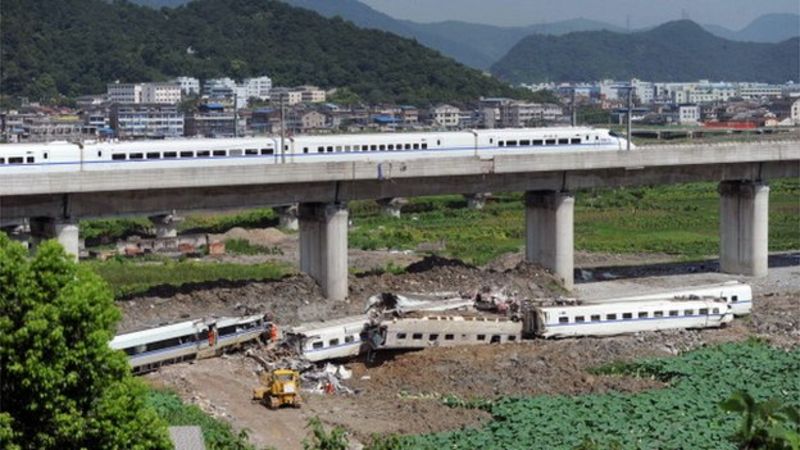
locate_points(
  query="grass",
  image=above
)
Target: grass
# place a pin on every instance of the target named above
(244, 247)
(218, 435)
(129, 278)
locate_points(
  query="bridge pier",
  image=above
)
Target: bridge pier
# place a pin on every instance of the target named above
(391, 207)
(549, 222)
(65, 231)
(166, 225)
(743, 227)
(287, 217)
(323, 246)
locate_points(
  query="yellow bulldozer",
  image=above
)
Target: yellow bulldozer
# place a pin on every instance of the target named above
(278, 387)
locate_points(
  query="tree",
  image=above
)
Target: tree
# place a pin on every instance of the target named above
(765, 425)
(61, 385)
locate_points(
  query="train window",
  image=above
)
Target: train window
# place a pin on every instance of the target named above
(735, 298)
(495, 339)
(330, 149)
(433, 337)
(658, 313)
(118, 156)
(219, 152)
(390, 147)
(596, 137)
(99, 155)
(416, 146)
(595, 318)
(135, 156)
(550, 142)
(537, 142)
(416, 336)
(320, 149)
(449, 337)
(579, 319)
(253, 151)
(154, 155)
(333, 342)
(170, 154)
(611, 317)
(704, 311)
(356, 148)
(501, 143)
(398, 147)
(511, 143)
(491, 140)
(715, 310)
(187, 154)
(575, 141)
(305, 149)
(373, 147)
(424, 145)
(349, 338)
(511, 338)
(347, 148)
(338, 148)
(481, 337)
(203, 153)
(627, 316)
(317, 344)
(15, 160)
(643, 314)
(587, 137)
(688, 312)
(267, 151)
(401, 335)
(524, 142)
(673, 313)
(235, 152)
(29, 159)
(408, 146)
(382, 147)
(563, 141)
(2, 160)
(563, 320)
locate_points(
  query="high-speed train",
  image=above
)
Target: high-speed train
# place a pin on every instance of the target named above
(70, 157)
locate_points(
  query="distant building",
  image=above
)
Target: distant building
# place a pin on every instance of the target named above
(188, 85)
(124, 92)
(795, 112)
(37, 127)
(161, 93)
(759, 90)
(259, 87)
(146, 121)
(212, 120)
(305, 120)
(688, 114)
(311, 94)
(289, 96)
(522, 114)
(447, 116)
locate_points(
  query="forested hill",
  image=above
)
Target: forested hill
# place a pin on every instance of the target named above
(675, 51)
(75, 47)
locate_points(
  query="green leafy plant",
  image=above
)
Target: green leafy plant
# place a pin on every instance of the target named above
(320, 439)
(767, 425)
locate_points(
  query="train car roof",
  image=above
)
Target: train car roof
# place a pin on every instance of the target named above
(670, 293)
(179, 329)
(193, 144)
(320, 326)
(627, 306)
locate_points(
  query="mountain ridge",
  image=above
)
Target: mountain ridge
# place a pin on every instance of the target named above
(675, 51)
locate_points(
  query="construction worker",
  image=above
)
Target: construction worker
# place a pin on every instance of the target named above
(212, 335)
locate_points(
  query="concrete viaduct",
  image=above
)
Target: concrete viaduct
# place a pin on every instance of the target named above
(54, 202)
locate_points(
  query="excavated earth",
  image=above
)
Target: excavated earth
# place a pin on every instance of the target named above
(402, 392)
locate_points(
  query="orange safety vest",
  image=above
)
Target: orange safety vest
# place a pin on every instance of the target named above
(273, 332)
(212, 337)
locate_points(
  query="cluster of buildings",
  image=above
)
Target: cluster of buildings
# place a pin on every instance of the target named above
(183, 107)
(702, 102)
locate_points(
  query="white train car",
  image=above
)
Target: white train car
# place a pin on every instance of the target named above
(447, 331)
(609, 319)
(150, 349)
(332, 339)
(178, 153)
(737, 294)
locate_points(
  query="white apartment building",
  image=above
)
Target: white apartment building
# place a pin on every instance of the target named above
(688, 114)
(795, 112)
(258, 87)
(161, 93)
(521, 114)
(311, 94)
(644, 91)
(189, 85)
(290, 96)
(446, 116)
(759, 90)
(124, 92)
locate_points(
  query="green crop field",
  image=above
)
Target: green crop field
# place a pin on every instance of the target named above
(685, 415)
(682, 220)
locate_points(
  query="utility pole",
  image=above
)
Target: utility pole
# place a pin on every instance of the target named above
(630, 112)
(574, 109)
(235, 114)
(283, 130)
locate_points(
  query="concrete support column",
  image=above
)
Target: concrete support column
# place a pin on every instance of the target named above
(477, 201)
(166, 225)
(549, 221)
(323, 246)
(287, 217)
(65, 231)
(391, 207)
(743, 227)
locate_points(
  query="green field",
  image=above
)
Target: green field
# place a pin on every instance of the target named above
(682, 220)
(685, 415)
(128, 278)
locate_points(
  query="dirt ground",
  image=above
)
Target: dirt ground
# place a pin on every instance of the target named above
(402, 392)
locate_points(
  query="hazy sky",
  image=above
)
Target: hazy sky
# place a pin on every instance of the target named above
(733, 14)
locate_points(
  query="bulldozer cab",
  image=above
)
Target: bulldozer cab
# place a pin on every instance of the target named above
(279, 387)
